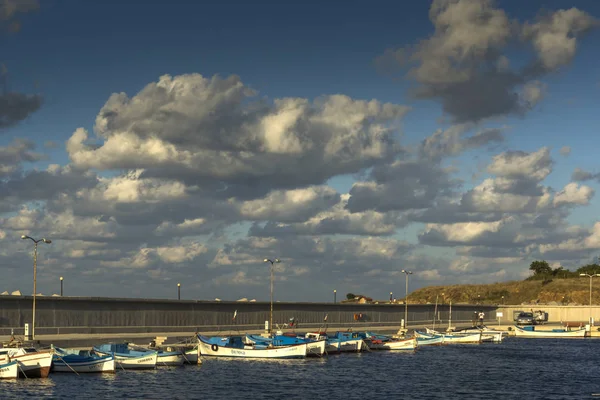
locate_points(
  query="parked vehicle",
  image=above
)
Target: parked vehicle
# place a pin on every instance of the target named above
(525, 318)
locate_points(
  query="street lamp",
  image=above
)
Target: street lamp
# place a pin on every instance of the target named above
(334, 295)
(44, 240)
(391, 296)
(591, 276)
(275, 261)
(406, 273)
(61, 286)
(502, 300)
(179, 291)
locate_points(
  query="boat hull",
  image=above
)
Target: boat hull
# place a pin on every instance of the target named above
(352, 345)
(192, 356)
(579, 333)
(214, 350)
(402, 344)
(430, 340)
(170, 360)
(146, 361)
(102, 365)
(9, 370)
(316, 349)
(33, 365)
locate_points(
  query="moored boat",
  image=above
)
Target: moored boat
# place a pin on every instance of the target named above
(31, 362)
(450, 338)
(531, 332)
(8, 369)
(67, 361)
(332, 346)
(192, 356)
(429, 340)
(488, 335)
(127, 358)
(314, 348)
(399, 344)
(349, 341)
(234, 346)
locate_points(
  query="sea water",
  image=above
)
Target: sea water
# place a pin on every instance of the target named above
(515, 369)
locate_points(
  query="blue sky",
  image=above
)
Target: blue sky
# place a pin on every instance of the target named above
(77, 53)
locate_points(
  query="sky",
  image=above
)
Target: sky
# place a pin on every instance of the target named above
(159, 142)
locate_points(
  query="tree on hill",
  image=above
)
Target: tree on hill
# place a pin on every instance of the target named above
(589, 269)
(350, 296)
(540, 268)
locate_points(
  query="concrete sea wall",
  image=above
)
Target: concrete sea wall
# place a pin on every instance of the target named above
(87, 315)
(80, 315)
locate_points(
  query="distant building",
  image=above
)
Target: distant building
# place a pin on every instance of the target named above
(359, 299)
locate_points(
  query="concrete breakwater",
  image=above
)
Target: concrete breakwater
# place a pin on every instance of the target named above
(92, 315)
(89, 315)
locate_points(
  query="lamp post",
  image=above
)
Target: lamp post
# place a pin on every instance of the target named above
(334, 296)
(591, 276)
(44, 240)
(179, 291)
(502, 300)
(406, 273)
(391, 296)
(61, 286)
(271, 312)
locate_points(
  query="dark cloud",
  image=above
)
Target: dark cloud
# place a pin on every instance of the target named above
(463, 64)
(579, 175)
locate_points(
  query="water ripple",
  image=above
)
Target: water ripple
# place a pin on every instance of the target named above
(515, 369)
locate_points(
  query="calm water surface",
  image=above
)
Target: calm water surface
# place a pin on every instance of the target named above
(516, 369)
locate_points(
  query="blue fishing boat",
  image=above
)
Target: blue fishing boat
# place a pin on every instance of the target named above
(348, 341)
(127, 358)
(165, 358)
(236, 346)
(64, 360)
(314, 347)
(425, 339)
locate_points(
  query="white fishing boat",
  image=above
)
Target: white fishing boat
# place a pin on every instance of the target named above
(488, 335)
(397, 344)
(31, 363)
(314, 347)
(65, 360)
(126, 358)
(8, 369)
(531, 332)
(352, 345)
(192, 356)
(429, 340)
(234, 346)
(331, 346)
(451, 338)
(171, 358)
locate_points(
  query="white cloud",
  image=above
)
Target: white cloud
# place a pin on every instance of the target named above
(574, 194)
(197, 179)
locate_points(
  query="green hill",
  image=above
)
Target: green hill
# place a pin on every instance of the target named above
(545, 285)
(561, 291)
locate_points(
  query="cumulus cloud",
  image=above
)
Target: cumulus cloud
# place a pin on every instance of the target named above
(210, 130)
(464, 63)
(580, 175)
(565, 151)
(197, 179)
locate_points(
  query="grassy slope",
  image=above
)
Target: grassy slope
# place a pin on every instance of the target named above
(575, 290)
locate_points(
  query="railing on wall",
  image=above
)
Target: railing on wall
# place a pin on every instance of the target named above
(303, 327)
